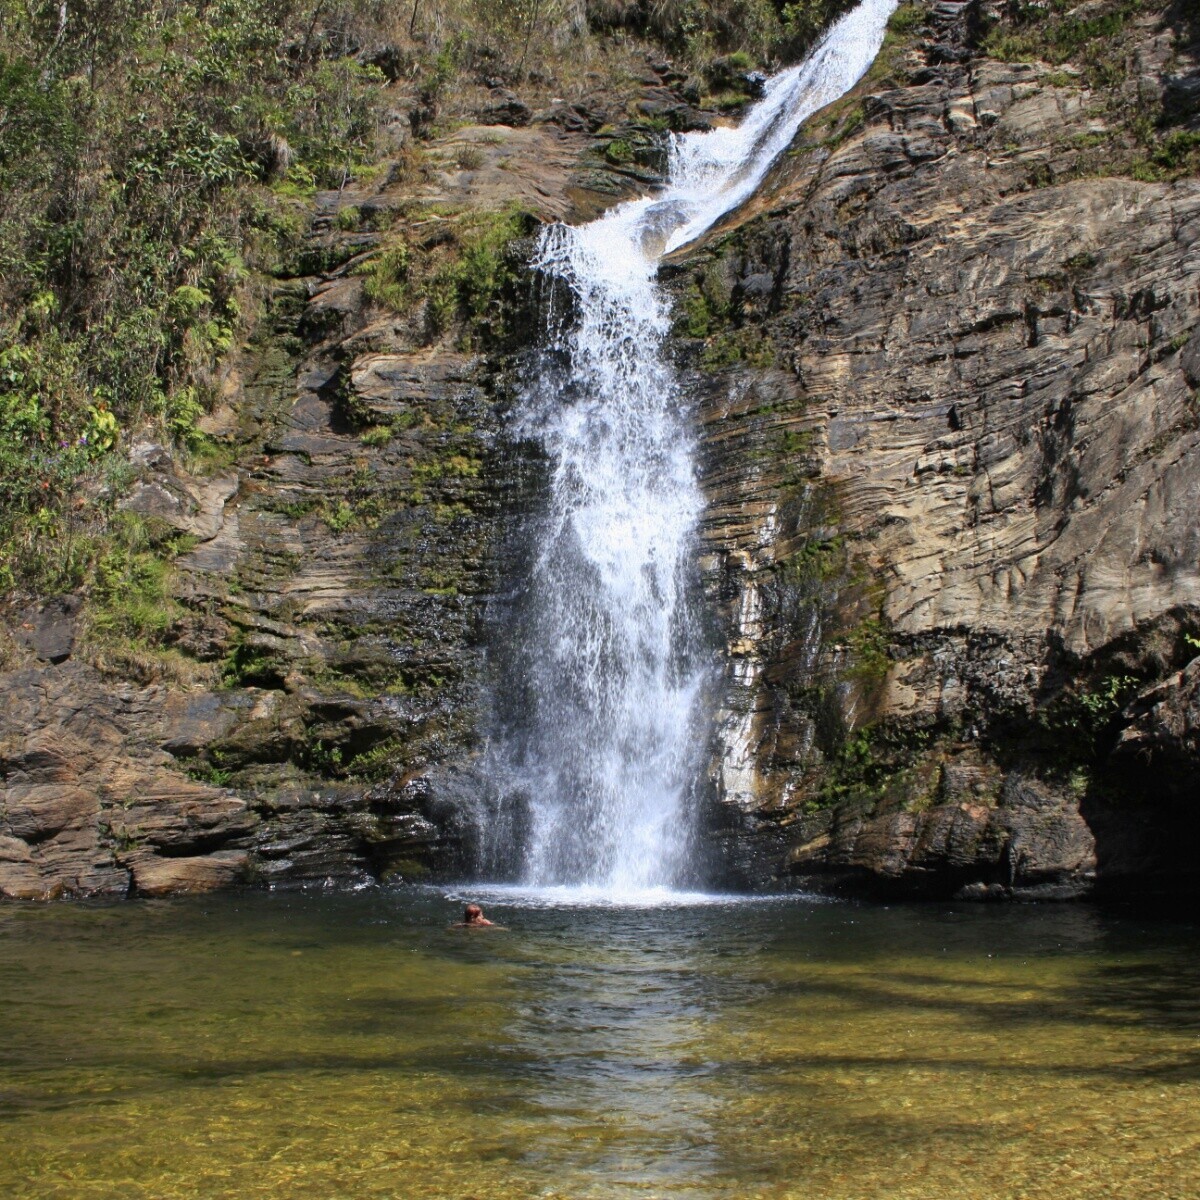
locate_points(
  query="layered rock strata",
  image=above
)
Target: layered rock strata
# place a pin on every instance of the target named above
(953, 451)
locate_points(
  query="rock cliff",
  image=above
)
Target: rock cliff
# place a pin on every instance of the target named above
(310, 708)
(954, 460)
(946, 368)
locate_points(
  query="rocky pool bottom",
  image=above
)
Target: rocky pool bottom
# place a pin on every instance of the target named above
(349, 1045)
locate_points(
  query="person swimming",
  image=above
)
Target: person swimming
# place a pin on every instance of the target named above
(473, 918)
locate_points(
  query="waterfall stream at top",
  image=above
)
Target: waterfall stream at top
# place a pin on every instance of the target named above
(599, 756)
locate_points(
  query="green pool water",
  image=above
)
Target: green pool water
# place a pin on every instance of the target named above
(328, 1045)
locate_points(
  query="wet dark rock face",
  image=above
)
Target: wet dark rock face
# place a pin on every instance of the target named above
(329, 603)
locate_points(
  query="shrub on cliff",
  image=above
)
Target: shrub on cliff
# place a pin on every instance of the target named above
(137, 143)
(1148, 131)
(766, 29)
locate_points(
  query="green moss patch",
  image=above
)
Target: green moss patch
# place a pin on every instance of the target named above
(458, 265)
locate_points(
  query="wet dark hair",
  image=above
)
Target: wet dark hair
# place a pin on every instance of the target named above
(473, 910)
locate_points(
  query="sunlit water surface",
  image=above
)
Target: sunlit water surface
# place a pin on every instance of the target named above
(344, 1046)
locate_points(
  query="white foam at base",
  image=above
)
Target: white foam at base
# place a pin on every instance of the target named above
(521, 896)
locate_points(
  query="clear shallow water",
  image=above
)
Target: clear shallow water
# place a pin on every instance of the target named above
(324, 1045)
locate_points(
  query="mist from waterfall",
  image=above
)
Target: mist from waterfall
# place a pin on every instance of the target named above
(604, 737)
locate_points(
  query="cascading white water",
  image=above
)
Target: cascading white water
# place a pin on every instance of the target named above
(611, 738)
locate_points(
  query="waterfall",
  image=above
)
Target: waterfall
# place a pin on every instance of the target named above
(610, 737)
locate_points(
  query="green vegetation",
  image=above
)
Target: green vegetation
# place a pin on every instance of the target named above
(1142, 139)
(387, 277)
(210, 769)
(1066, 741)
(127, 570)
(845, 123)
(1062, 31)
(469, 158)
(841, 120)
(706, 311)
(1173, 155)
(158, 162)
(748, 32)
(888, 69)
(815, 562)
(796, 442)
(339, 516)
(337, 762)
(377, 436)
(249, 665)
(147, 157)
(129, 586)
(706, 305)
(739, 60)
(749, 345)
(460, 466)
(881, 764)
(868, 642)
(618, 152)
(458, 269)
(1081, 720)
(908, 18)
(376, 763)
